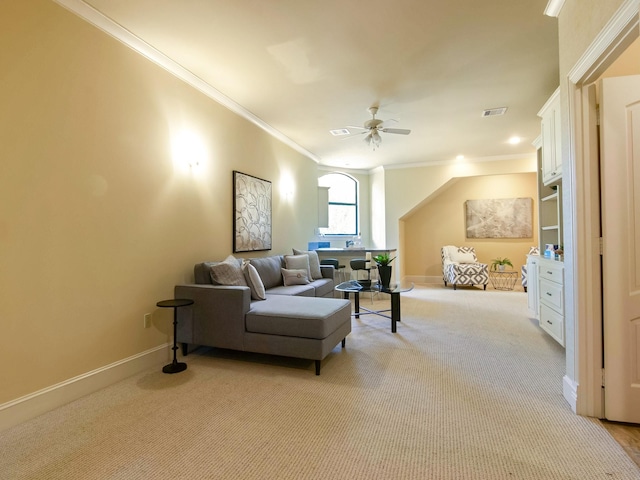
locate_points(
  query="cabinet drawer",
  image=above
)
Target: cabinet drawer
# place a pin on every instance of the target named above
(551, 272)
(552, 323)
(551, 295)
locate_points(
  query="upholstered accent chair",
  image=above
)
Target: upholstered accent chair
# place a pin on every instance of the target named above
(460, 266)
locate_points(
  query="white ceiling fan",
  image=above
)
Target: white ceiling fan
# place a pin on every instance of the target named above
(372, 129)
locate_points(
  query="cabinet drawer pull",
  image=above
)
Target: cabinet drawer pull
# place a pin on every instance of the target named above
(550, 323)
(548, 293)
(549, 273)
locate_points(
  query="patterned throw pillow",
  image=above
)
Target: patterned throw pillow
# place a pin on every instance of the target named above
(294, 277)
(314, 262)
(228, 272)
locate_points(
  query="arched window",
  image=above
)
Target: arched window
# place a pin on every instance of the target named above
(343, 203)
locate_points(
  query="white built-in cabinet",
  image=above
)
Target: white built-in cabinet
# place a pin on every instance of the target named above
(551, 290)
(551, 135)
(550, 215)
(545, 276)
(533, 299)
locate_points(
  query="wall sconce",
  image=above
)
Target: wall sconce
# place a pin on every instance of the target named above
(287, 186)
(188, 150)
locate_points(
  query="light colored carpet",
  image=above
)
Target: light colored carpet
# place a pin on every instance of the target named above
(469, 388)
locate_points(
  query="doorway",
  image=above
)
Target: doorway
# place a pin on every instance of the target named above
(617, 41)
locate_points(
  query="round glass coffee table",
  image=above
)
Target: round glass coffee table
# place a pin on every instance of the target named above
(394, 290)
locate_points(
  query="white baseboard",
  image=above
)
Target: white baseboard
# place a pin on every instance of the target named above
(422, 279)
(570, 392)
(30, 406)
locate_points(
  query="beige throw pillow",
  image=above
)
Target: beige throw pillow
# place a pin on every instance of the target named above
(254, 281)
(298, 262)
(464, 257)
(294, 277)
(314, 262)
(228, 272)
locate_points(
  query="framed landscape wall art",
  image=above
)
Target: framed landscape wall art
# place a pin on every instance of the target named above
(251, 213)
(499, 218)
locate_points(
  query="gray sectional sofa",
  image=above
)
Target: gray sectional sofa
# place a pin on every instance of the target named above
(285, 314)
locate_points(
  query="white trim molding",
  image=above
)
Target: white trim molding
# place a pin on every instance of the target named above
(613, 35)
(104, 23)
(570, 392)
(30, 406)
(584, 391)
(423, 279)
(553, 8)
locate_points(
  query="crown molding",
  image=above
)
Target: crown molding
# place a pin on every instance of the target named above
(117, 31)
(621, 28)
(495, 158)
(553, 8)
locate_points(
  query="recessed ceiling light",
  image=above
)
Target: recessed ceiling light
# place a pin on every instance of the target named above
(339, 132)
(514, 140)
(460, 157)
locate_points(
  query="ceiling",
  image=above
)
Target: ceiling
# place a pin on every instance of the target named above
(303, 68)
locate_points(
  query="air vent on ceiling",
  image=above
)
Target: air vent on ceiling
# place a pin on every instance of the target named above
(492, 112)
(340, 131)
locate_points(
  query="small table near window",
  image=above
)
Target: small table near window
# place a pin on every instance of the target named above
(175, 366)
(503, 280)
(394, 291)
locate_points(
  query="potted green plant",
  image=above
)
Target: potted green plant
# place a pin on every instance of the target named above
(384, 269)
(383, 259)
(499, 264)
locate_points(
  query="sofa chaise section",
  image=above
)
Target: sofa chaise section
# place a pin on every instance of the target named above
(294, 320)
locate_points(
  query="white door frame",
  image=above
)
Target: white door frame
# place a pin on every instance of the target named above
(584, 392)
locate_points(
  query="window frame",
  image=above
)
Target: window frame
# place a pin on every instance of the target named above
(356, 205)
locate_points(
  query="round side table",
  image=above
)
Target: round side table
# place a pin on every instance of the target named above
(175, 366)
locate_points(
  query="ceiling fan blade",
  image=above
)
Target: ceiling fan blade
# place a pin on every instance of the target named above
(400, 131)
(357, 128)
(354, 134)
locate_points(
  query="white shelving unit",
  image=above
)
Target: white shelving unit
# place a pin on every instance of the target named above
(550, 215)
(546, 275)
(551, 147)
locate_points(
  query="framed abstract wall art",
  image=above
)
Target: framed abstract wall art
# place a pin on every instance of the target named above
(499, 218)
(251, 213)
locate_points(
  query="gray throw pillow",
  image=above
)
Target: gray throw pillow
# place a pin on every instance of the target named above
(294, 277)
(254, 281)
(314, 262)
(269, 270)
(228, 272)
(298, 262)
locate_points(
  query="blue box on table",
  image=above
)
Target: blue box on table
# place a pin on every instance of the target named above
(317, 245)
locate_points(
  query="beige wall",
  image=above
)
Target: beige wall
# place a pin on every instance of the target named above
(97, 224)
(628, 63)
(578, 24)
(441, 221)
(406, 189)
